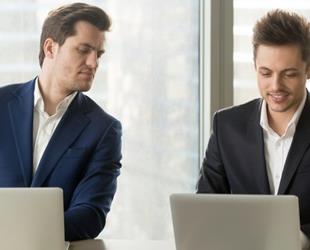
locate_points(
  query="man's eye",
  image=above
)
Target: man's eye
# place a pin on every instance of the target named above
(290, 75)
(83, 50)
(265, 74)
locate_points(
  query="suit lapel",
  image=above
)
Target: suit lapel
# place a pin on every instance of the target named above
(68, 129)
(21, 117)
(298, 147)
(256, 151)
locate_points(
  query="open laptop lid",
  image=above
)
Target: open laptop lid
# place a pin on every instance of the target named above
(235, 222)
(31, 219)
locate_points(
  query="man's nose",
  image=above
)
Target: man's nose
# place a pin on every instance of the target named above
(275, 82)
(92, 60)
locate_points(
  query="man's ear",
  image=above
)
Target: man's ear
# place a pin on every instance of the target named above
(50, 48)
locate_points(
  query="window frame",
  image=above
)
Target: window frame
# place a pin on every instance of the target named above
(216, 64)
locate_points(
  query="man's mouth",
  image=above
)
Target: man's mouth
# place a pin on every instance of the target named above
(278, 97)
(88, 73)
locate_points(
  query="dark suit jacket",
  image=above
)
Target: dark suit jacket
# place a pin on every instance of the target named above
(82, 157)
(235, 161)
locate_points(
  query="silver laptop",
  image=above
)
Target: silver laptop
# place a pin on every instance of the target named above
(235, 222)
(31, 219)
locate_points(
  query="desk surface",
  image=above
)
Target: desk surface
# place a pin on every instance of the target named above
(138, 245)
(122, 245)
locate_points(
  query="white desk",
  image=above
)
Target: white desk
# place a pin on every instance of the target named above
(122, 245)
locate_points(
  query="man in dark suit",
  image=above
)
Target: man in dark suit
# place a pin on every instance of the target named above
(262, 147)
(52, 135)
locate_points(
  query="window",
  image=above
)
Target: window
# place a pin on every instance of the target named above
(149, 80)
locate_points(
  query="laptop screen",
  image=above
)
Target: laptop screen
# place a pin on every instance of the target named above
(235, 222)
(31, 219)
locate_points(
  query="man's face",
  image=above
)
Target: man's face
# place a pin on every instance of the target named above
(76, 61)
(281, 77)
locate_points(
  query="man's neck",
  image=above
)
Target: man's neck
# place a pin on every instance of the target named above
(279, 121)
(51, 95)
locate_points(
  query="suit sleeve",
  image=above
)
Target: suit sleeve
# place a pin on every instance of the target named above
(86, 215)
(213, 177)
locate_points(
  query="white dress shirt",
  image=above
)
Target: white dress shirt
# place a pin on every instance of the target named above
(277, 147)
(45, 125)
(276, 151)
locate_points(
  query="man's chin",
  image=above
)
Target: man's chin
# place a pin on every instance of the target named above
(83, 87)
(282, 108)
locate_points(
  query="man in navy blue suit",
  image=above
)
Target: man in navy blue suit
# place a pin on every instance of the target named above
(263, 146)
(52, 135)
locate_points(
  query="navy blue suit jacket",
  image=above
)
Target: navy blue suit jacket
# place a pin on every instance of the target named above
(235, 159)
(82, 157)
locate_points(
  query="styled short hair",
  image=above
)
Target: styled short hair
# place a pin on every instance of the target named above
(60, 23)
(279, 27)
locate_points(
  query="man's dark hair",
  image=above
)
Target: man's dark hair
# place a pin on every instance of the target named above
(60, 23)
(280, 27)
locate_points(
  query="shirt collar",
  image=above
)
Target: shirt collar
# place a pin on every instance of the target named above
(37, 98)
(39, 103)
(293, 122)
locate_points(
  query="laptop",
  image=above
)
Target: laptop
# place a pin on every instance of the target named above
(235, 222)
(31, 219)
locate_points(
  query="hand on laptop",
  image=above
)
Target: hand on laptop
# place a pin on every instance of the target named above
(305, 243)
(67, 244)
